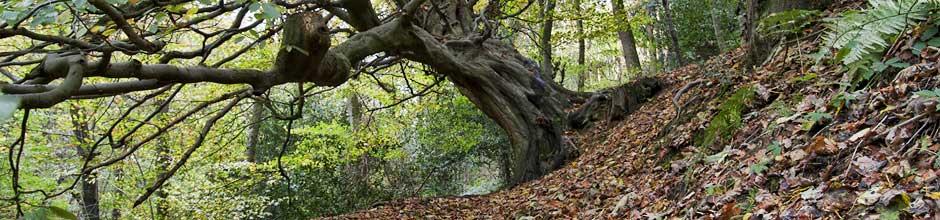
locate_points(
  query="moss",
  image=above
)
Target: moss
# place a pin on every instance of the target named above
(728, 119)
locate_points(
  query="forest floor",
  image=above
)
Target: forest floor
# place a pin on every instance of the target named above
(783, 141)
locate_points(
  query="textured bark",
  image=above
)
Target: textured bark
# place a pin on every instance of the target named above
(675, 52)
(751, 41)
(254, 132)
(614, 103)
(579, 23)
(548, 21)
(508, 89)
(627, 41)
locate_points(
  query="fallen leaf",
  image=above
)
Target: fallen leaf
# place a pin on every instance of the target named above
(811, 194)
(869, 197)
(860, 134)
(796, 155)
(867, 165)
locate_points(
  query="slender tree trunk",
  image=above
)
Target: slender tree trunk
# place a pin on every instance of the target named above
(164, 161)
(90, 207)
(354, 108)
(716, 25)
(675, 52)
(753, 48)
(88, 184)
(359, 170)
(254, 132)
(654, 49)
(627, 41)
(547, 14)
(582, 75)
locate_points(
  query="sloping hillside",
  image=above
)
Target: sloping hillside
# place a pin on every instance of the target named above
(779, 142)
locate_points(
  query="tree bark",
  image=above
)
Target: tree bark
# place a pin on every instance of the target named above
(653, 50)
(89, 186)
(583, 75)
(358, 170)
(627, 41)
(675, 52)
(754, 49)
(254, 132)
(716, 25)
(547, 14)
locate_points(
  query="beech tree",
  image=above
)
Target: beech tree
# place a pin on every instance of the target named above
(109, 48)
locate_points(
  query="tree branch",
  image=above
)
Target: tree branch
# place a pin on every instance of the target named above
(121, 22)
(189, 152)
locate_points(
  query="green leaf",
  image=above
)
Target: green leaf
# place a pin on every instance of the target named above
(192, 11)
(270, 11)
(759, 167)
(38, 213)
(8, 105)
(717, 158)
(812, 118)
(62, 213)
(919, 46)
(775, 148)
(935, 93)
(929, 33)
(879, 66)
(80, 4)
(840, 56)
(934, 42)
(9, 16)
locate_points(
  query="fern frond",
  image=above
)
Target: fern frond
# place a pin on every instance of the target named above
(859, 33)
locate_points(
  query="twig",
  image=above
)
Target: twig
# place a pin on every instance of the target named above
(189, 152)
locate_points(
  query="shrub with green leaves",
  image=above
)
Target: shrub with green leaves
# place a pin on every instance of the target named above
(858, 34)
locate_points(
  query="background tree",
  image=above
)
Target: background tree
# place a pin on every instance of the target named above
(627, 42)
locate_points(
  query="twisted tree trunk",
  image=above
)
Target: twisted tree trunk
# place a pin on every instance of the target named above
(507, 87)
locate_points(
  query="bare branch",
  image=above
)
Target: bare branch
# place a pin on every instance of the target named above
(189, 152)
(161, 130)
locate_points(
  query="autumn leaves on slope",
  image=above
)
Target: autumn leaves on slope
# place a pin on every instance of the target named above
(800, 147)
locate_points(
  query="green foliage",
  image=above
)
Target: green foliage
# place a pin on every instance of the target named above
(857, 34)
(788, 22)
(49, 213)
(775, 148)
(694, 23)
(759, 167)
(728, 119)
(929, 93)
(813, 118)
